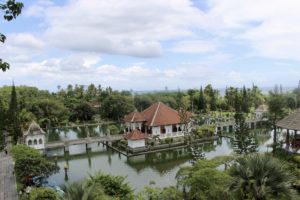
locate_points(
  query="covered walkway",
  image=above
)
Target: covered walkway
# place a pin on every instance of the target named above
(292, 125)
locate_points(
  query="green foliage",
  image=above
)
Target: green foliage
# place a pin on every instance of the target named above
(297, 159)
(276, 107)
(113, 186)
(260, 176)
(43, 194)
(82, 191)
(13, 116)
(3, 115)
(50, 112)
(75, 103)
(201, 101)
(26, 117)
(29, 161)
(276, 112)
(168, 140)
(124, 142)
(114, 129)
(204, 131)
(204, 181)
(156, 193)
(116, 106)
(83, 112)
(244, 142)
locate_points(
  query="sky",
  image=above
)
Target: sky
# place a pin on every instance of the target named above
(153, 44)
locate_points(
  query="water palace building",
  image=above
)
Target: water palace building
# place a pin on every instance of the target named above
(35, 137)
(158, 120)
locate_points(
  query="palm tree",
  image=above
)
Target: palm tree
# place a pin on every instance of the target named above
(260, 177)
(83, 191)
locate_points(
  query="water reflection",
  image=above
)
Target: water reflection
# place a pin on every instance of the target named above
(76, 132)
(161, 167)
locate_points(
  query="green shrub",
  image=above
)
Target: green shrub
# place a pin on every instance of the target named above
(297, 159)
(114, 129)
(114, 186)
(43, 194)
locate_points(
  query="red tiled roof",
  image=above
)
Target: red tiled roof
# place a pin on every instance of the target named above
(160, 114)
(135, 135)
(134, 117)
(156, 115)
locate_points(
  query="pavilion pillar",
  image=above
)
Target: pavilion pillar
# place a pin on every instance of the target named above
(287, 140)
(66, 150)
(88, 147)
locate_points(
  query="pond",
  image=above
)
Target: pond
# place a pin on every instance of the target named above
(140, 170)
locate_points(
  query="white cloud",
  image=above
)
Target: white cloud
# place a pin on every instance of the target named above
(79, 69)
(38, 8)
(270, 27)
(21, 47)
(194, 46)
(138, 28)
(125, 27)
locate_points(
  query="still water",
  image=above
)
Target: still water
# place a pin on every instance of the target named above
(140, 170)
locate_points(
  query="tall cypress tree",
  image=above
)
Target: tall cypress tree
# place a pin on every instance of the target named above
(201, 103)
(245, 101)
(13, 114)
(2, 123)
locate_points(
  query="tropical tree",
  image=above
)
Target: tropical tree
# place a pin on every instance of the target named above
(201, 101)
(82, 191)
(49, 111)
(83, 112)
(260, 177)
(29, 161)
(276, 112)
(113, 186)
(116, 106)
(204, 181)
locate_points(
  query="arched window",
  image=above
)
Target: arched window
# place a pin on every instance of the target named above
(174, 128)
(40, 141)
(35, 142)
(162, 129)
(29, 142)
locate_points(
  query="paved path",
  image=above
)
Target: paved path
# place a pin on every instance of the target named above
(8, 189)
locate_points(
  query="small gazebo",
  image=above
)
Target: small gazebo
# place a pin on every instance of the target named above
(136, 139)
(291, 123)
(35, 136)
(261, 111)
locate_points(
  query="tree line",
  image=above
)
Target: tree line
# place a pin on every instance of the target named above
(20, 105)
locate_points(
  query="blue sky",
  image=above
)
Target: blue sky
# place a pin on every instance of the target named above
(153, 44)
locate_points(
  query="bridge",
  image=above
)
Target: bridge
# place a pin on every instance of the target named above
(89, 140)
(82, 125)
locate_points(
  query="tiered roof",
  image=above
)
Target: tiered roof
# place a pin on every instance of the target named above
(291, 122)
(34, 129)
(262, 108)
(135, 117)
(135, 135)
